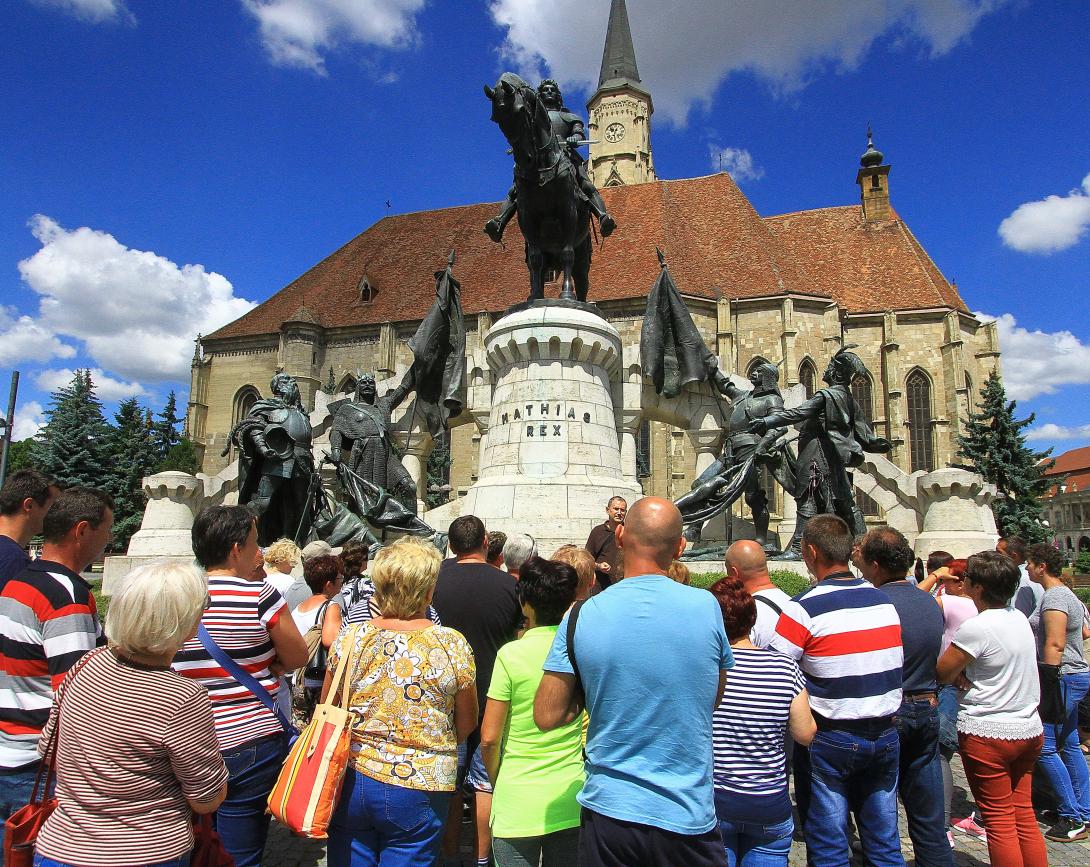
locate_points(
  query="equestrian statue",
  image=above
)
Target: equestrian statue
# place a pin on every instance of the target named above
(552, 194)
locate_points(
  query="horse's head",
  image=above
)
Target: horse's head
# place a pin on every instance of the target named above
(513, 103)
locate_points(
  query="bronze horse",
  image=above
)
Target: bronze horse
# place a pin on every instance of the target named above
(552, 211)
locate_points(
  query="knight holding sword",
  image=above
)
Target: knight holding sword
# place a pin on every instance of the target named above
(569, 128)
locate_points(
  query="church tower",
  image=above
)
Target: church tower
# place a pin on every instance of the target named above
(620, 112)
(873, 181)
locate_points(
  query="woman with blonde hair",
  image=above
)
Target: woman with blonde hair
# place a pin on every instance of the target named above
(412, 690)
(136, 749)
(281, 557)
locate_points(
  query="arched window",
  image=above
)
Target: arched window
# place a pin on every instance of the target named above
(366, 290)
(808, 377)
(970, 398)
(863, 392)
(347, 386)
(643, 450)
(920, 435)
(245, 398)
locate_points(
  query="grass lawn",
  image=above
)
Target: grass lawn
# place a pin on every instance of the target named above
(789, 582)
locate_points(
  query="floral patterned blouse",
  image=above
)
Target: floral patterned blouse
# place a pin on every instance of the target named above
(402, 694)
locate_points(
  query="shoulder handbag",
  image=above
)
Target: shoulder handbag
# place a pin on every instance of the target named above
(245, 679)
(1051, 709)
(22, 828)
(309, 784)
(208, 850)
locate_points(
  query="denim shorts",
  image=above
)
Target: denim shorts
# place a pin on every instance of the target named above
(472, 776)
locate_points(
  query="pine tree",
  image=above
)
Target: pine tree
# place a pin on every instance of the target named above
(74, 444)
(182, 458)
(133, 454)
(165, 431)
(995, 447)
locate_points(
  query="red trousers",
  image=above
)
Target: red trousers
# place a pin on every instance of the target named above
(1000, 773)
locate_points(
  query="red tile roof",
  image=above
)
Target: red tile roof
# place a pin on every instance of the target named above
(1071, 461)
(715, 242)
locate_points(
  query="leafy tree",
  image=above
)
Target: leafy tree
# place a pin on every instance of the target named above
(995, 447)
(133, 454)
(19, 455)
(74, 446)
(1082, 563)
(182, 458)
(164, 433)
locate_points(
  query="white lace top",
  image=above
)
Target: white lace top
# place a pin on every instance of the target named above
(1003, 701)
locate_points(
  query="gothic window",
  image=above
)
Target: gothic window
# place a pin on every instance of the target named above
(808, 377)
(366, 290)
(347, 386)
(245, 398)
(920, 423)
(969, 396)
(643, 450)
(863, 392)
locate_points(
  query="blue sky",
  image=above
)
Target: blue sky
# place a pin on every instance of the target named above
(167, 164)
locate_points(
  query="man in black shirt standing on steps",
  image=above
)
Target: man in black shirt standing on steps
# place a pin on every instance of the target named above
(482, 603)
(602, 543)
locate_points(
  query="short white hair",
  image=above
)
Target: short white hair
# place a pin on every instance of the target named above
(156, 607)
(517, 550)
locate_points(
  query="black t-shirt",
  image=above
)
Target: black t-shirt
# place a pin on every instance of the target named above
(482, 603)
(602, 544)
(921, 634)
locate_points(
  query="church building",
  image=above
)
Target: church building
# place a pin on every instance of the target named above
(787, 288)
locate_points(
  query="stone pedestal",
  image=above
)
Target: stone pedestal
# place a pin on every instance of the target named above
(164, 534)
(957, 515)
(551, 458)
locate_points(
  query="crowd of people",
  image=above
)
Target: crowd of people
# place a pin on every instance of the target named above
(583, 706)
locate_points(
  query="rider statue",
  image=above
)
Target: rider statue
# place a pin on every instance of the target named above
(833, 437)
(569, 128)
(717, 487)
(360, 437)
(276, 464)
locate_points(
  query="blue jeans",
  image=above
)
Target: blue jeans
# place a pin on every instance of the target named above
(1062, 760)
(241, 821)
(948, 718)
(920, 783)
(381, 823)
(42, 861)
(844, 772)
(15, 790)
(751, 845)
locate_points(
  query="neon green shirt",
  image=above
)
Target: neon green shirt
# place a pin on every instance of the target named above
(540, 772)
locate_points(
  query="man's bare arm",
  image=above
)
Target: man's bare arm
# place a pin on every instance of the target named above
(556, 703)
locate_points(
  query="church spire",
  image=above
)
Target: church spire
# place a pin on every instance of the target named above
(620, 111)
(618, 57)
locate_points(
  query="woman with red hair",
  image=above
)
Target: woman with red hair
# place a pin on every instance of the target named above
(765, 697)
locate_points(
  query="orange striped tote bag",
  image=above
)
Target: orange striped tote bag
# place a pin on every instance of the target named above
(309, 784)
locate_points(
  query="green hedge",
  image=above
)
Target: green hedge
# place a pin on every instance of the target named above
(789, 582)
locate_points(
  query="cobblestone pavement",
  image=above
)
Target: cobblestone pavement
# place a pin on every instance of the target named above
(284, 850)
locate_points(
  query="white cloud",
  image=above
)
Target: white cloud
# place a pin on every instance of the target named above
(685, 48)
(1058, 432)
(1039, 362)
(106, 387)
(29, 419)
(299, 32)
(1050, 224)
(94, 11)
(136, 312)
(736, 162)
(24, 339)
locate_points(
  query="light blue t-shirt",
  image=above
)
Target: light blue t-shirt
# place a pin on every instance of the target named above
(649, 651)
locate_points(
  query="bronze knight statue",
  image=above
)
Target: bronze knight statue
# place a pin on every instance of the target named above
(276, 465)
(736, 471)
(570, 130)
(832, 442)
(360, 437)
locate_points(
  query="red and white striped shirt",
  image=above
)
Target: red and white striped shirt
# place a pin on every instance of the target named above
(239, 619)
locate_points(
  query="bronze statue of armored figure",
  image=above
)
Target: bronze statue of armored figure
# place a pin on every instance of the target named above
(276, 464)
(832, 442)
(552, 194)
(737, 471)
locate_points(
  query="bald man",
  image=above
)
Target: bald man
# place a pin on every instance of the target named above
(746, 561)
(652, 658)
